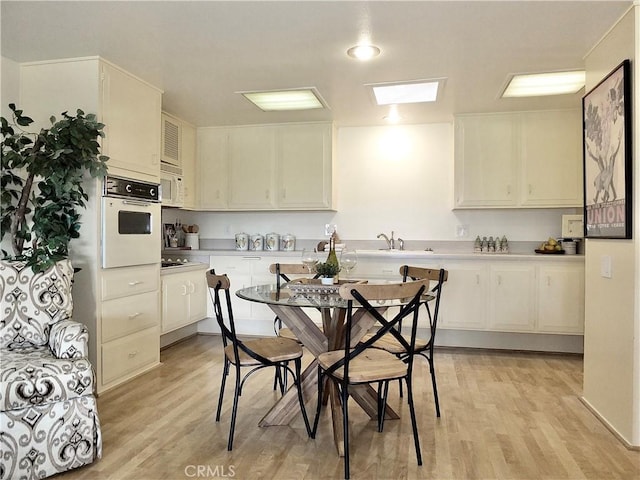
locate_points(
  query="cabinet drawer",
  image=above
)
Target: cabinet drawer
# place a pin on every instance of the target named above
(121, 282)
(126, 315)
(128, 354)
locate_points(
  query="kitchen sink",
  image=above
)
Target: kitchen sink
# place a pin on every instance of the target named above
(395, 253)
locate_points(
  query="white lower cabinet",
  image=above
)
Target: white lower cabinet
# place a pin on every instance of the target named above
(464, 297)
(483, 294)
(560, 298)
(129, 324)
(184, 298)
(511, 294)
(251, 318)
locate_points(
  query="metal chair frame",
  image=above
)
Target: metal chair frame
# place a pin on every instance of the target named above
(390, 327)
(221, 282)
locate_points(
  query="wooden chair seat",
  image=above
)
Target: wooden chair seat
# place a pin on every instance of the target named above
(389, 343)
(371, 365)
(275, 349)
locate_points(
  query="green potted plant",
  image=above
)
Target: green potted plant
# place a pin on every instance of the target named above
(42, 176)
(327, 272)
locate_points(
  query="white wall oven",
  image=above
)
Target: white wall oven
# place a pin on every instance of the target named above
(131, 222)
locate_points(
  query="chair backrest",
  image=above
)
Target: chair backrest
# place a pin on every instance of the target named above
(283, 270)
(216, 284)
(370, 297)
(33, 302)
(432, 274)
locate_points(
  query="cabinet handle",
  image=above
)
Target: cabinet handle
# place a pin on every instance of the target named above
(477, 279)
(508, 189)
(217, 194)
(530, 189)
(134, 283)
(133, 354)
(499, 279)
(548, 281)
(192, 287)
(184, 290)
(266, 194)
(134, 315)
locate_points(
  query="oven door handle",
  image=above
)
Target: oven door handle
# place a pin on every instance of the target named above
(136, 202)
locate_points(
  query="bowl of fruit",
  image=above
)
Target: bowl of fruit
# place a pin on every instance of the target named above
(550, 246)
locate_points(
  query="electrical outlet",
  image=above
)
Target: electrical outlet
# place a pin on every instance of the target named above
(462, 231)
(329, 228)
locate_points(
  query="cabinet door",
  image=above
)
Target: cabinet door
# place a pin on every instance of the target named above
(511, 298)
(251, 162)
(486, 159)
(197, 296)
(560, 298)
(131, 114)
(238, 269)
(464, 297)
(304, 166)
(552, 158)
(175, 302)
(188, 160)
(211, 168)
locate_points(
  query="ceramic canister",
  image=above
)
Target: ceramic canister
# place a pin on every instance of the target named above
(272, 241)
(242, 241)
(257, 242)
(288, 243)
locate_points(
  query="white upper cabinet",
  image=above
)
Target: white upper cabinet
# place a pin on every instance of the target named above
(188, 163)
(552, 159)
(266, 167)
(485, 167)
(251, 157)
(518, 160)
(211, 169)
(129, 107)
(304, 167)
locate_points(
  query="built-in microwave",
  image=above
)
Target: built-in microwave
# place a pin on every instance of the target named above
(172, 189)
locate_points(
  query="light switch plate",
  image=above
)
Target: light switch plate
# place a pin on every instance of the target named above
(605, 266)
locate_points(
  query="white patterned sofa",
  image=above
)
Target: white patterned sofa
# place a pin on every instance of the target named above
(48, 413)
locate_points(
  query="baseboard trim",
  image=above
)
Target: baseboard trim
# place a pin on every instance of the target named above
(608, 425)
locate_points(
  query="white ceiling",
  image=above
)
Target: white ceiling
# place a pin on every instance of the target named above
(200, 53)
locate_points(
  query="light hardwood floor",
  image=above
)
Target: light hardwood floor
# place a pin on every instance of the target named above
(504, 416)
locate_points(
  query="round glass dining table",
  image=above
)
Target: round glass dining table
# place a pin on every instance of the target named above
(292, 303)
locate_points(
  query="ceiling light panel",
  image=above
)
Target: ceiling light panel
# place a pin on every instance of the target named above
(299, 99)
(542, 84)
(414, 92)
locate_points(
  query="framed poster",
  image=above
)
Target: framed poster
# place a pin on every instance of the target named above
(606, 117)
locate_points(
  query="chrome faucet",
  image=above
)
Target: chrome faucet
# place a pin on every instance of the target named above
(400, 243)
(391, 243)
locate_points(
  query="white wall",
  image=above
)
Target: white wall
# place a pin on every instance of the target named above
(9, 85)
(396, 178)
(612, 306)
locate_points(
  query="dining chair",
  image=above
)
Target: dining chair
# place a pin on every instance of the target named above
(282, 272)
(256, 354)
(424, 347)
(362, 364)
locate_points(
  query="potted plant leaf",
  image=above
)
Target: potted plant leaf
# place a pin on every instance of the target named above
(42, 176)
(327, 272)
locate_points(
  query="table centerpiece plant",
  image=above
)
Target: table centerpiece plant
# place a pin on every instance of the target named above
(327, 272)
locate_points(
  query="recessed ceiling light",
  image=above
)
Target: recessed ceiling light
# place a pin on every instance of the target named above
(294, 99)
(540, 84)
(363, 52)
(407, 92)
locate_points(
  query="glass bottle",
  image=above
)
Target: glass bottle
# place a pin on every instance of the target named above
(332, 258)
